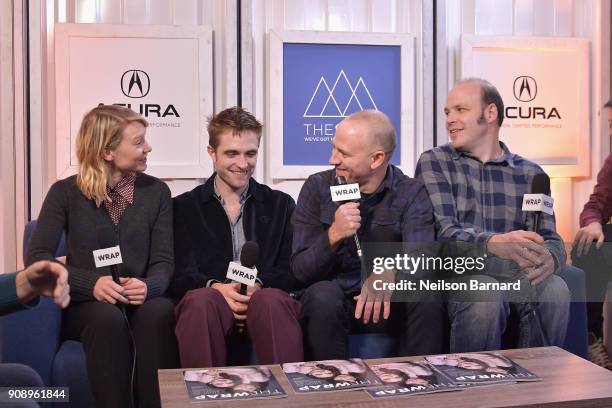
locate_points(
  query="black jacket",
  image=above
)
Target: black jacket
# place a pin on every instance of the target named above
(203, 242)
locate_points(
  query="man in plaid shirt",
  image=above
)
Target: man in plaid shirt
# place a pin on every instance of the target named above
(476, 186)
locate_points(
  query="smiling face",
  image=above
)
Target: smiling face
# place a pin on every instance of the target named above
(235, 158)
(466, 117)
(130, 155)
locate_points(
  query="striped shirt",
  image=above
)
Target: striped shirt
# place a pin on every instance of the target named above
(473, 200)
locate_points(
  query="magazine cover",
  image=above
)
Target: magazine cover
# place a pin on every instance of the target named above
(329, 375)
(480, 368)
(232, 383)
(409, 378)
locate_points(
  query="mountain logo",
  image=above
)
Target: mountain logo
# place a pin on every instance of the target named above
(340, 100)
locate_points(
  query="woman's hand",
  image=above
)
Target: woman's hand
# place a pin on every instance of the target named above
(134, 289)
(105, 290)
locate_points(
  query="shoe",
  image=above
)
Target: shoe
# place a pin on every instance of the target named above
(597, 352)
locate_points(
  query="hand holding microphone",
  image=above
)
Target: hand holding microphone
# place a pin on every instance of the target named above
(527, 248)
(347, 219)
(108, 288)
(242, 274)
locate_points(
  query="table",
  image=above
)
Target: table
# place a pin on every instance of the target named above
(567, 381)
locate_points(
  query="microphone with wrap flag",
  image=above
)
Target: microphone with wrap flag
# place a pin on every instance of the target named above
(110, 255)
(245, 271)
(538, 201)
(343, 192)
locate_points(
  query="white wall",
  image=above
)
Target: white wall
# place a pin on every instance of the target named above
(12, 140)
(391, 16)
(574, 18)
(545, 18)
(220, 15)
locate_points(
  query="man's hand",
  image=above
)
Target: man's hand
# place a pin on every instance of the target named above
(237, 302)
(585, 237)
(522, 247)
(347, 221)
(252, 289)
(43, 278)
(135, 290)
(105, 290)
(369, 300)
(547, 267)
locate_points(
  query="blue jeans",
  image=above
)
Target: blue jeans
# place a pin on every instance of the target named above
(479, 325)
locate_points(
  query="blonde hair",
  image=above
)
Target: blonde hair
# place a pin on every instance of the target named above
(101, 130)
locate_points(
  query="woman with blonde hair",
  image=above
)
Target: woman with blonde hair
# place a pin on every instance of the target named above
(112, 202)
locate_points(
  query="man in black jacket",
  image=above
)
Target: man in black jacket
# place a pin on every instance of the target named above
(211, 224)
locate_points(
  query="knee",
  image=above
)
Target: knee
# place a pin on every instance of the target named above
(483, 311)
(323, 298)
(198, 301)
(479, 313)
(107, 318)
(554, 290)
(19, 375)
(268, 298)
(157, 310)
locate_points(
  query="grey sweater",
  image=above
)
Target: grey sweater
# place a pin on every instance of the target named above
(144, 234)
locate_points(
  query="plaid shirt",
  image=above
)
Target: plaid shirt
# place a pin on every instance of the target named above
(473, 200)
(400, 204)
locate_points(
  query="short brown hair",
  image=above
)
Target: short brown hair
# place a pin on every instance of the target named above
(608, 104)
(236, 119)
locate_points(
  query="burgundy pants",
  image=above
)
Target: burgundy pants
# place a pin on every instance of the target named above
(204, 321)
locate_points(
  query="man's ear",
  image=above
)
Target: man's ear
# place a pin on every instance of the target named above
(377, 159)
(492, 113)
(212, 153)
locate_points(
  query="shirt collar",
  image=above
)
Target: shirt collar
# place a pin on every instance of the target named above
(124, 188)
(387, 182)
(506, 157)
(243, 196)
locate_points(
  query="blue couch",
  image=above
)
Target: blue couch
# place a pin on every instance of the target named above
(32, 337)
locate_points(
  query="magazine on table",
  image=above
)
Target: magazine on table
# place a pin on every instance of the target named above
(409, 378)
(232, 383)
(480, 368)
(329, 375)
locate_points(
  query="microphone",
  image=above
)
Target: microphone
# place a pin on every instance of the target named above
(539, 200)
(249, 255)
(110, 254)
(343, 192)
(245, 272)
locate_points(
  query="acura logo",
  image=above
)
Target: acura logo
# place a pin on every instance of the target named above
(525, 88)
(135, 83)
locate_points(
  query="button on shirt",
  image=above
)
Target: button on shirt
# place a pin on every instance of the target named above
(400, 204)
(238, 237)
(474, 200)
